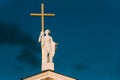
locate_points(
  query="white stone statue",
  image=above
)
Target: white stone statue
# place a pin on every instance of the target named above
(48, 47)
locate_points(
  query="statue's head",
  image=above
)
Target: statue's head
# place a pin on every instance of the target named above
(47, 31)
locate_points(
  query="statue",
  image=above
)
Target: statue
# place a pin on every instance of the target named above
(48, 46)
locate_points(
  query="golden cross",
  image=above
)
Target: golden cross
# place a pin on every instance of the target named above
(42, 16)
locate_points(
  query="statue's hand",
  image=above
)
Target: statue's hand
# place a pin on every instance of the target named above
(42, 34)
(56, 44)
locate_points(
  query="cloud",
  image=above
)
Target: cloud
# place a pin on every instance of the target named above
(80, 67)
(28, 57)
(11, 34)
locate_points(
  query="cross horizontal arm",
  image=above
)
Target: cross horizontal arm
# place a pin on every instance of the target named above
(35, 14)
(49, 14)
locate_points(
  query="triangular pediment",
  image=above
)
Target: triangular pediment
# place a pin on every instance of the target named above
(49, 75)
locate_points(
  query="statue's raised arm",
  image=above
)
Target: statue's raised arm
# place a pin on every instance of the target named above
(41, 38)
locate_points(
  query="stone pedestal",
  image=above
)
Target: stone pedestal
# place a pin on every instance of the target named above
(47, 66)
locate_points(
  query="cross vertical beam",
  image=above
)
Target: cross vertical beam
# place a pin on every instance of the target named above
(42, 8)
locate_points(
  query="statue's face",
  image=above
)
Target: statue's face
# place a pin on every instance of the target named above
(47, 32)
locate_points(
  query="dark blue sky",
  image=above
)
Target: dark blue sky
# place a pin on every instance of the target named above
(88, 33)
